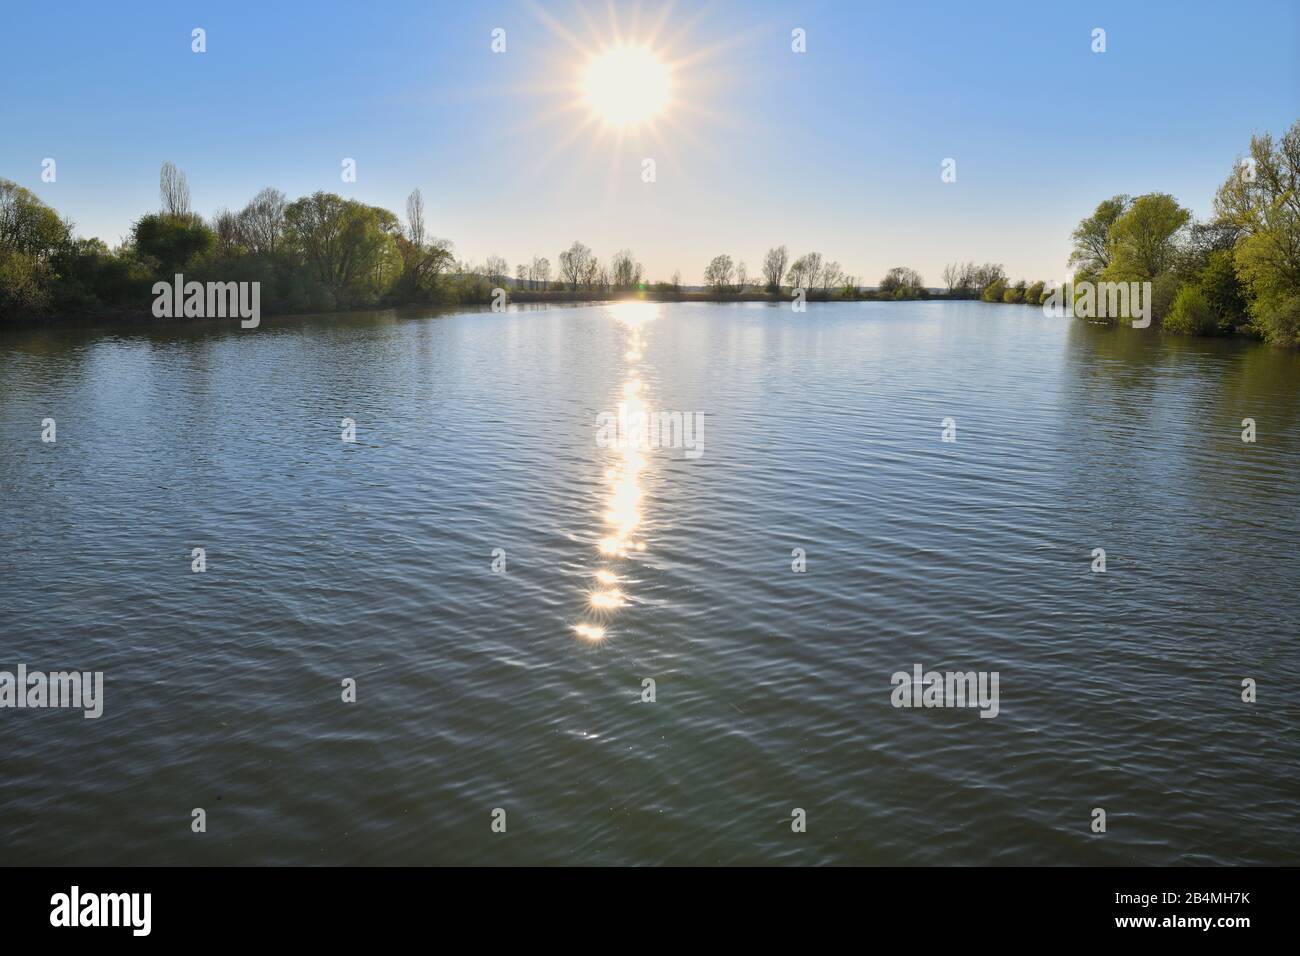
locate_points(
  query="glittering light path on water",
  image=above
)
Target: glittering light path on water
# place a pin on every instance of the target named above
(622, 514)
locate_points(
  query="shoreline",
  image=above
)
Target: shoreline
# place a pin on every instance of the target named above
(114, 318)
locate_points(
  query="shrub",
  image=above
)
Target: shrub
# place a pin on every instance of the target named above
(1223, 291)
(21, 289)
(1277, 319)
(1191, 313)
(993, 292)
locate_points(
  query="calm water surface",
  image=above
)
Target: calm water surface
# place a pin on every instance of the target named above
(476, 690)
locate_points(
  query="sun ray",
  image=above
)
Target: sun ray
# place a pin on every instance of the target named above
(557, 28)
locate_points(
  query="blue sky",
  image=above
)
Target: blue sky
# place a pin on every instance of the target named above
(837, 149)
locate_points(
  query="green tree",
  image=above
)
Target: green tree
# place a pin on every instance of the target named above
(979, 278)
(1190, 313)
(994, 291)
(31, 234)
(1092, 252)
(1144, 239)
(27, 225)
(89, 276)
(172, 241)
(350, 247)
(1261, 199)
(1224, 294)
(901, 278)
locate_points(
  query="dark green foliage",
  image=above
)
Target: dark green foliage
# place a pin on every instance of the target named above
(171, 241)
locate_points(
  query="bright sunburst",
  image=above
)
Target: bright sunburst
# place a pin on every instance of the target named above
(625, 85)
(629, 84)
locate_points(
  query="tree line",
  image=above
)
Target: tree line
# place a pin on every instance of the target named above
(318, 253)
(1238, 272)
(324, 252)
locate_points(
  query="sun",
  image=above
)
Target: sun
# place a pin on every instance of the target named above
(625, 85)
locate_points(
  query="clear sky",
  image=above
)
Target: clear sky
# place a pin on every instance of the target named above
(838, 149)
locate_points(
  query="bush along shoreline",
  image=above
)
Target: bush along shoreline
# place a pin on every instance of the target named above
(1138, 259)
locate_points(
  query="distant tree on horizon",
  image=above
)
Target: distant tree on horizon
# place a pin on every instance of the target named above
(718, 274)
(774, 265)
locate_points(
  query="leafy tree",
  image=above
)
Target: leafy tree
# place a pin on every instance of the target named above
(1277, 318)
(31, 234)
(1144, 239)
(798, 275)
(902, 278)
(1092, 251)
(1190, 313)
(27, 225)
(350, 247)
(1261, 200)
(90, 276)
(172, 240)
(1223, 291)
(981, 277)
(994, 291)
(423, 266)
(22, 288)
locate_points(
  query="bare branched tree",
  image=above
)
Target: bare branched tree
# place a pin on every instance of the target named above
(626, 271)
(774, 264)
(813, 264)
(262, 221)
(574, 263)
(497, 269)
(229, 230)
(415, 217)
(952, 273)
(175, 191)
(832, 277)
(718, 273)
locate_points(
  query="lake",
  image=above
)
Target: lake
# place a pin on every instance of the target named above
(500, 583)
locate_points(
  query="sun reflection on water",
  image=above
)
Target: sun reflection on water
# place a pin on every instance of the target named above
(622, 510)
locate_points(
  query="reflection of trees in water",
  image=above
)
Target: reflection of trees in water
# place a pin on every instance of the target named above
(1164, 413)
(1262, 383)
